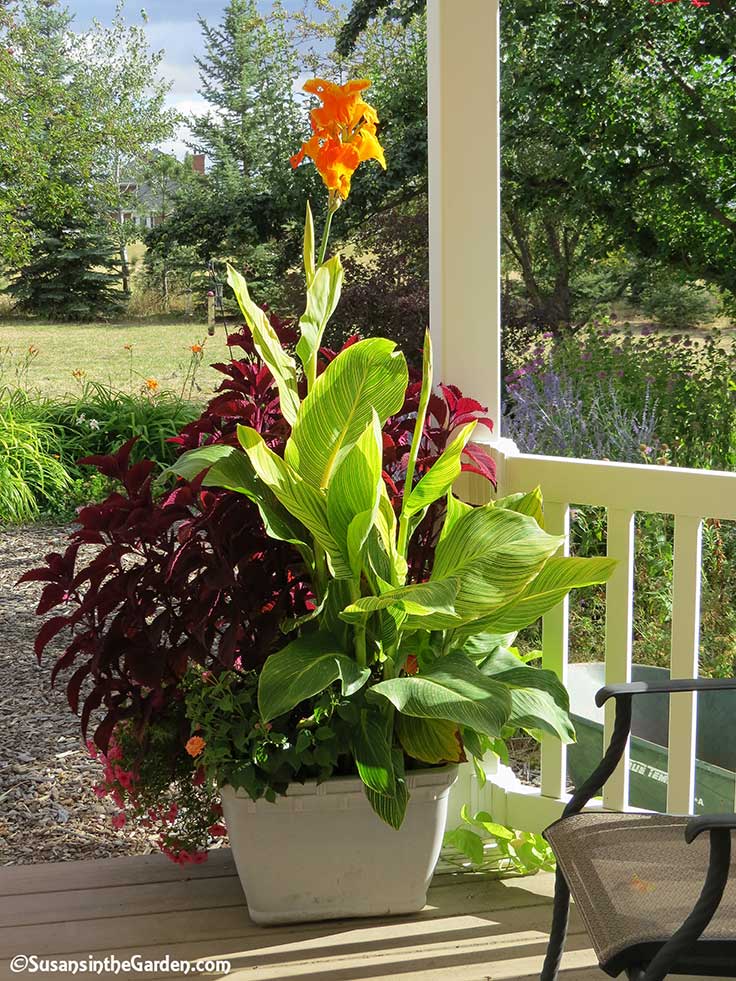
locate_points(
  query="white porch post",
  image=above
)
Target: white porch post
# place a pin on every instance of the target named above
(464, 197)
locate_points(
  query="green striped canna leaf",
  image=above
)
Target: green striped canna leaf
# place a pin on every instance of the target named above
(529, 503)
(495, 554)
(442, 474)
(304, 668)
(300, 499)
(353, 493)
(371, 747)
(559, 575)
(281, 365)
(323, 295)
(309, 247)
(430, 740)
(392, 809)
(453, 689)
(370, 375)
(422, 600)
(539, 700)
(455, 510)
(190, 464)
(231, 469)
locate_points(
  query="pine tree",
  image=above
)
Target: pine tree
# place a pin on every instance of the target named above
(247, 76)
(68, 276)
(79, 109)
(244, 209)
(229, 84)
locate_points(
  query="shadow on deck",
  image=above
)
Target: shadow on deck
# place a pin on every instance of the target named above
(473, 928)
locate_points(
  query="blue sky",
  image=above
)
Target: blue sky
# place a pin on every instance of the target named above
(172, 26)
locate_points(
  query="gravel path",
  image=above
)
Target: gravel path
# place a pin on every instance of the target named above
(48, 811)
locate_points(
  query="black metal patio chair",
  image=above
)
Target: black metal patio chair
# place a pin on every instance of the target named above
(655, 896)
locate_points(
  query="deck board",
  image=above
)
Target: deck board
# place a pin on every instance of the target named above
(473, 928)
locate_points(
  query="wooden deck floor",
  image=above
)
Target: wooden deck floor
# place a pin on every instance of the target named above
(473, 928)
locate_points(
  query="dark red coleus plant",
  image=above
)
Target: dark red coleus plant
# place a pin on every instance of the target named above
(189, 574)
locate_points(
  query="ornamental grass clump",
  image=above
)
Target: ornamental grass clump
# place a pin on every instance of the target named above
(302, 595)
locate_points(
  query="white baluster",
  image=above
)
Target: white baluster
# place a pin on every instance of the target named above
(684, 661)
(619, 622)
(554, 656)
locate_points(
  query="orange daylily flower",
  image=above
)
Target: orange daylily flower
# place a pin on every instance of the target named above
(197, 349)
(151, 384)
(344, 133)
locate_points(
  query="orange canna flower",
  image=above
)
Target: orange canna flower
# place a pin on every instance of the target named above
(343, 107)
(344, 133)
(151, 384)
(195, 745)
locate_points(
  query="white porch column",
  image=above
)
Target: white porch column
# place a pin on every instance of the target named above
(464, 197)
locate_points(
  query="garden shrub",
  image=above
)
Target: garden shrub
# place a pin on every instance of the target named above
(44, 439)
(678, 305)
(101, 418)
(686, 382)
(551, 417)
(386, 287)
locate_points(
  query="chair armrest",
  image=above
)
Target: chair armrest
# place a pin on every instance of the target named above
(667, 687)
(708, 822)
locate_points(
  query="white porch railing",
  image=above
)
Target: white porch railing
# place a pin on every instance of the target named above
(465, 248)
(623, 489)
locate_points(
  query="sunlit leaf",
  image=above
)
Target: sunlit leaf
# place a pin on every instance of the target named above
(453, 689)
(281, 365)
(366, 377)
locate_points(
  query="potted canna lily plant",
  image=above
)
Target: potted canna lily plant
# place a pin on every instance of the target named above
(395, 679)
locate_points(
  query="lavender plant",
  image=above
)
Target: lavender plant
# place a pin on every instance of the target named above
(620, 387)
(554, 416)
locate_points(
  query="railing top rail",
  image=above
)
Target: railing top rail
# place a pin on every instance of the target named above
(626, 486)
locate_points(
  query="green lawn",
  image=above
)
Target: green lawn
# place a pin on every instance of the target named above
(161, 351)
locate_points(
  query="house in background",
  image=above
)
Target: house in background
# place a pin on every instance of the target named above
(149, 196)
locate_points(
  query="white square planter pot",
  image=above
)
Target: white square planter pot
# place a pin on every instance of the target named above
(322, 853)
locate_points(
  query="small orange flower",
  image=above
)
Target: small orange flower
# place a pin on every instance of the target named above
(151, 384)
(195, 745)
(127, 347)
(197, 348)
(33, 350)
(78, 373)
(641, 885)
(344, 133)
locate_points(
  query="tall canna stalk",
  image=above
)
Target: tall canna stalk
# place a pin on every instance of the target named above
(405, 518)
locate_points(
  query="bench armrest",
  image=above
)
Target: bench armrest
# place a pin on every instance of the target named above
(708, 822)
(666, 687)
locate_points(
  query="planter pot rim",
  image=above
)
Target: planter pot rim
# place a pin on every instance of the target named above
(424, 777)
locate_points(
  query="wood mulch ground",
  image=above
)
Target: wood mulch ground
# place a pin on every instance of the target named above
(48, 811)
